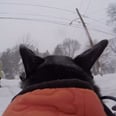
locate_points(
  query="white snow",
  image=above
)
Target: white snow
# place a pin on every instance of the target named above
(10, 88)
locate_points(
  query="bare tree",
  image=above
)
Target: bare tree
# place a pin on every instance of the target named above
(112, 15)
(68, 48)
(112, 45)
(10, 59)
(58, 50)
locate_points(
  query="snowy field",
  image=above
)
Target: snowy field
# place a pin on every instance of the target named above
(10, 88)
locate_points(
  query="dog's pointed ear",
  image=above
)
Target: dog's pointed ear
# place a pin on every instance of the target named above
(30, 60)
(87, 59)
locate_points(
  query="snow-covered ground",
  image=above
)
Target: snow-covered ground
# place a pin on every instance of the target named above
(10, 88)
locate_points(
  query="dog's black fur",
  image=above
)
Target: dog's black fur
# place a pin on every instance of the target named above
(60, 71)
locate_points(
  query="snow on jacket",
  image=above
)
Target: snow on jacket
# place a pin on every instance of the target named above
(56, 102)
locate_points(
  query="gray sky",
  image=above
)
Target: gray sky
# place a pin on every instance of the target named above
(49, 21)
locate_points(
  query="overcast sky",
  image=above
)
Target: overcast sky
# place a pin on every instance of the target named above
(47, 22)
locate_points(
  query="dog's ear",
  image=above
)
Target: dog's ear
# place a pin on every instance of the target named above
(30, 60)
(89, 57)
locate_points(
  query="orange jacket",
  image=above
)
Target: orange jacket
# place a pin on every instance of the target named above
(56, 102)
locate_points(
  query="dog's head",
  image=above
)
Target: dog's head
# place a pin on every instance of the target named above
(54, 67)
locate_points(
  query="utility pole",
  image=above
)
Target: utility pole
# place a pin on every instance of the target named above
(96, 68)
(85, 27)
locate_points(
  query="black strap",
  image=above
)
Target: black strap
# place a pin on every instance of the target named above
(108, 97)
(107, 110)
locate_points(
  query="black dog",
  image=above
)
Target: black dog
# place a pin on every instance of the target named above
(60, 71)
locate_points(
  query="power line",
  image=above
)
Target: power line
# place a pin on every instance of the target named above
(92, 24)
(36, 15)
(95, 20)
(30, 19)
(50, 16)
(41, 20)
(81, 1)
(36, 5)
(53, 22)
(71, 22)
(67, 10)
(87, 7)
(94, 29)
